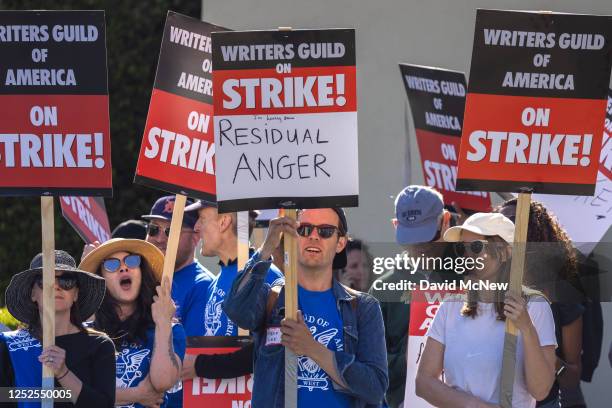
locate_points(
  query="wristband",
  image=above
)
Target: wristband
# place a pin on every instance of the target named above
(65, 374)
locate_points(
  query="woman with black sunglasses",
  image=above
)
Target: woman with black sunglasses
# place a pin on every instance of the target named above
(82, 360)
(139, 317)
(466, 339)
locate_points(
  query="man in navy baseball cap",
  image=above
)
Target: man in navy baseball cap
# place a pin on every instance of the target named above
(191, 280)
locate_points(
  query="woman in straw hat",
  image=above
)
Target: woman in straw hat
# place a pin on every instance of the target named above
(139, 317)
(466, 339)
(82, 360)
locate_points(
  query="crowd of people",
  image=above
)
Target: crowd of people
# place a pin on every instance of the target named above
(121, 326)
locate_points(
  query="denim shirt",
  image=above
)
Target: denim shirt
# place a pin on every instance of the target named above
(362, 365)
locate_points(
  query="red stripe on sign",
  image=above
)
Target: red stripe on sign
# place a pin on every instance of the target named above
(178, 143)
(303, 90)
(439, 155)
(55, 141)
(87, 217)
(545, 140)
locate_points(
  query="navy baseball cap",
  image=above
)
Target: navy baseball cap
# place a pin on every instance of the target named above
(163, 207)
(418, 210)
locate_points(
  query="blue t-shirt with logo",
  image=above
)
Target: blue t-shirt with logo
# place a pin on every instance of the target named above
(134, 363)
(189, 289)
(323, 318)
(216, 322)
(24, 350)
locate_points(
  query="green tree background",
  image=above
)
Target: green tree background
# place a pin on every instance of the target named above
(133, 38)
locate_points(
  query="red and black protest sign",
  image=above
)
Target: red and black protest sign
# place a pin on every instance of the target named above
(54, 121)
(437, 102)
(285, 119)
(87, 215)
(217, 392)
(178, 151)
(536, 101)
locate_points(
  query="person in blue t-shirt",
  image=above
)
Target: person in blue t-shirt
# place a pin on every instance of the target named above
(81, 360)
(219, 236)
(139, 316)
(191, 280)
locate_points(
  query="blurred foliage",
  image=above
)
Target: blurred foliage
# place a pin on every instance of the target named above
(133, 38)
(7, 319)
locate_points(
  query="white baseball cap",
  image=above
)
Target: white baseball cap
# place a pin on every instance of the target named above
(487, 224)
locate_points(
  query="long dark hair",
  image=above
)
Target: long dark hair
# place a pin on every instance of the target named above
(134, 328)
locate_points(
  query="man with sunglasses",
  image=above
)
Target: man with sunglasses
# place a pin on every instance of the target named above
(420, 222)
(338, 336)
(191, 280)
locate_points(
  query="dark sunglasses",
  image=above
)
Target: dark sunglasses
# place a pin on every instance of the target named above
(153, 230)
(113, 264)
(65, 281)
(324, 231)
(475, 247)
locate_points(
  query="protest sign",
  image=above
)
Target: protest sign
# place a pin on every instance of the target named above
(178, 151)
(595, 211)
(423, 308)
(88, 217)
(285, 119)
(437, 102)
(536, 101)
(54, 121)
(218, 393)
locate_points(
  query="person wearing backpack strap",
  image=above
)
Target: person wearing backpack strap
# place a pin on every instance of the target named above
(338, 336)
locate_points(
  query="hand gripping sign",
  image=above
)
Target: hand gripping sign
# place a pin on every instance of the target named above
(437, 102)
(54, 121)
(536, 101)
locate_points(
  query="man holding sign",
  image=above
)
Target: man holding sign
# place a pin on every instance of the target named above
(339, 333)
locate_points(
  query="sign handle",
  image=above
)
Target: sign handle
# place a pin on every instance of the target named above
(243, 248)
(48, 315)
(175, 233)
(517, 268)
(291, 296)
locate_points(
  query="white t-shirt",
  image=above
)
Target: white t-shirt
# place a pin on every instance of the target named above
(473, 348)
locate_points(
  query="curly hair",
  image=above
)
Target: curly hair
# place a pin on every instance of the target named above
(544, 227)
(134, 328)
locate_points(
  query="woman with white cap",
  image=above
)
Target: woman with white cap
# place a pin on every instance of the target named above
(82, 360)
(466, 339)
(139, 316)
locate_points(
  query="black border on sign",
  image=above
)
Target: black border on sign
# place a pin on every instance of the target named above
(262, 203)
(517, 186)
(55, 192)
(173, 188)
(218, 341)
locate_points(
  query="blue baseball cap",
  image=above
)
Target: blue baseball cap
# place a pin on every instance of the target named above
(162, 210)
(418, 210)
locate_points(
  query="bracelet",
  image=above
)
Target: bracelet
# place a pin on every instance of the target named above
(65, 374)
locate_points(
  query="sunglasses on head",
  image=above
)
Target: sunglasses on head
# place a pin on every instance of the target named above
(475, 247)
(113, 264)
(65, 282)
(325, 231)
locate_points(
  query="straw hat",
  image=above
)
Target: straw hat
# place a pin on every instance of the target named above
(150, 253)
(19, 291)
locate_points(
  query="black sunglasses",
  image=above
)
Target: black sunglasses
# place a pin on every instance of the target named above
(65, 281)
(153, 230)
(113, 264)
(475, 247)
(325, 231)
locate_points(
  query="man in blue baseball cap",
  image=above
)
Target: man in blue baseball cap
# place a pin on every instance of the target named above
(420, 222)
(191, 279)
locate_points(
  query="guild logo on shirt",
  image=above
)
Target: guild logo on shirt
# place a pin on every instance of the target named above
(310, 375)
(212, 316)
(128, 366)
(22, 341)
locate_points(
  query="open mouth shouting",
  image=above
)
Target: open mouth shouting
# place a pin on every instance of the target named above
(125, 283)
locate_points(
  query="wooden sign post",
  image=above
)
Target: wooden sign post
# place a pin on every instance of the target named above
(175, 234)
(48, 317)
(291, 304)
(242, 218)
(517, 269)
